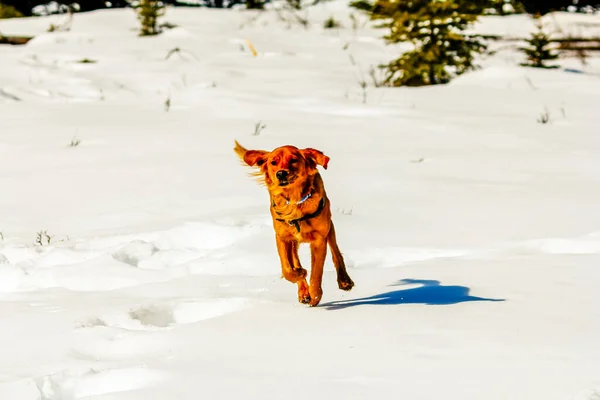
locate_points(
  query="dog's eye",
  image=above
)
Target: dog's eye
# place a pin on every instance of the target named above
(273, 162)
(293, 161)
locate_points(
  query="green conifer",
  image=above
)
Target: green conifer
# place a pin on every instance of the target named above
(436, 29)
(148, 13)
(539, 51)
(7, 11)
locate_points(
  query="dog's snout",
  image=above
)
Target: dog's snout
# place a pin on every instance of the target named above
(282, 174)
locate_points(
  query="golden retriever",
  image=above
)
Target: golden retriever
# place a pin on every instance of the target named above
(301, 214)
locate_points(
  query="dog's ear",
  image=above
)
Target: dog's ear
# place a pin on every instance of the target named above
(316, 157)
(250, 157)
(255, 157)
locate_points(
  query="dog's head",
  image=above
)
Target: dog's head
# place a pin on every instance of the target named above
(284, 167)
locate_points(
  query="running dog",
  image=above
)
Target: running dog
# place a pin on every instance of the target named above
(301, 214)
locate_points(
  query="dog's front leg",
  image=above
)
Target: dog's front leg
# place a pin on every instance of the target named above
(318, 250)
(291, 268)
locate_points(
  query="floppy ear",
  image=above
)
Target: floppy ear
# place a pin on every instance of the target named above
(317, 157)
(250, 157)
(255, 157)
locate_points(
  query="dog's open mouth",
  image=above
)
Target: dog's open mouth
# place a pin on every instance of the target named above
(285, 181)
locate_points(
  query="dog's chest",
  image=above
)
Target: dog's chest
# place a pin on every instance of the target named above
(305, 234)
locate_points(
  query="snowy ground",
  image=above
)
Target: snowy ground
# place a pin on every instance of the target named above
(472, 231)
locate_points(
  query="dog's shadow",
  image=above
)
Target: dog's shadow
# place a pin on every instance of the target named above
(430, 292)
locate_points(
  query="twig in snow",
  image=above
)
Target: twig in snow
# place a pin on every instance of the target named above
(41, 235)
(528, 79)
(544, 117)
(75, 142)
(258, 128)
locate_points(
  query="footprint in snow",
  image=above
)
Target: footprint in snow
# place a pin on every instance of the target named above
(588, 395)
(79, 383)
(152, 317)
(96, 341)
(75, 384)
(134, 252)
(186, 312)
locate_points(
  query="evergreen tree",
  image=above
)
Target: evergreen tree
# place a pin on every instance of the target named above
(255, 4)
(362, 5)
(542, 7)
(9, 12)
(435, 28)
(538, 51)
(148, 13)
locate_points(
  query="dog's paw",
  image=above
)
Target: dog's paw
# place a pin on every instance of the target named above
(346, 284)
(303, 292)
(315, 297)
(304, 299)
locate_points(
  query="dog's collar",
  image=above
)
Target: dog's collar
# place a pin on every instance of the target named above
(302, 200)
(296, 222)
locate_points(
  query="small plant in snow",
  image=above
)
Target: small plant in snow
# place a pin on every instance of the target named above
(258, 128)
(148, 13)
(178, 51)
(343, 211)
(582, 56)
(2, 236)
(168, 25)
(544, 117)
(530, 82)
(538, 51)
(74, 142)
(43, 238)
(250, 21)
(168, 104)
(172, 51)
(331, 23)
(378, 78)
(87, 61)
(363, 86)
(356, 23)
(352, 60)
(295, 4)
(292, 16)
(66, 26)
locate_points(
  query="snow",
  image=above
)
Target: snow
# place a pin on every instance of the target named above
(472, 231)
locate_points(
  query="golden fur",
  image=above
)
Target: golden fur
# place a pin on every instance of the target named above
(301, 214)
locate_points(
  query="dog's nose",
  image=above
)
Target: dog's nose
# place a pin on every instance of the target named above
(281, 175)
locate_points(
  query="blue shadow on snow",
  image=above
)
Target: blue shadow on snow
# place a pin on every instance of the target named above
(431, 292)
